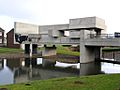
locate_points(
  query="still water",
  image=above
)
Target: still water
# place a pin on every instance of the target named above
(23, 69)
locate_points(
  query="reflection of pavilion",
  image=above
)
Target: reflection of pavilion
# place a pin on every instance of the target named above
(26, 69)
(92, 68)
(23, 70)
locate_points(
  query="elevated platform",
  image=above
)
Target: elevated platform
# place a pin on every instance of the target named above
(79, 29)
(107, 42)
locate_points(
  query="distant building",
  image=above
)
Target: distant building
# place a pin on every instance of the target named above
(10, 40)
(1, 37)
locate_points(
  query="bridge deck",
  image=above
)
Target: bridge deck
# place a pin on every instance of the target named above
(94, 41)
(103, 42)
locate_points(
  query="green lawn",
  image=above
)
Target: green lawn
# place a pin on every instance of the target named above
(60, 50)
(66, 50)
(95, 82)
(10, 50)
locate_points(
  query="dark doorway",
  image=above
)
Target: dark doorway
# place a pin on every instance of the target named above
(27, 48)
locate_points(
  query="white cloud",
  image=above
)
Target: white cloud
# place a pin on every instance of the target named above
(6, 23)
(60, 11)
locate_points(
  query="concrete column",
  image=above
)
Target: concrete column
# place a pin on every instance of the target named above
(49, 51)
(27, 48)
(34, 48)
(30, 49)
(88, 53)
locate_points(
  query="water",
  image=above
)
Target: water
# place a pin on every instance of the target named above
(23, 69)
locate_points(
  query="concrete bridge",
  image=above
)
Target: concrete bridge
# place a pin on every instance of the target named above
(87, 32)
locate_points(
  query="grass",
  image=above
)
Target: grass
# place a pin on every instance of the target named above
(60, 50)
(66, 50)
(108, 49)
(10, 50)
(95, 82)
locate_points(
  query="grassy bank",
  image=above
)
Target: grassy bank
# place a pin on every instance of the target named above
(97, 82)
(60, 50)
(66, 50)
(10, 50)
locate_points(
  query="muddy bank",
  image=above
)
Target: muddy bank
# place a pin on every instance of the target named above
(63, 58)
(16, 55)
(58, 57)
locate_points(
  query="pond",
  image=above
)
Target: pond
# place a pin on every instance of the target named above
(25, 69)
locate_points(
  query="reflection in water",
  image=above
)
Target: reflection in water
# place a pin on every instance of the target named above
(25, 69)
(92, 68)
(110, 68)
(6, 75)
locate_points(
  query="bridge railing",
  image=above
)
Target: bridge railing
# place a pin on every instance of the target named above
(92, 36)
(69, 40)
(60, 40)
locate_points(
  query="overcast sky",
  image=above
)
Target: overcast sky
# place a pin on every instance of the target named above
(45, 12)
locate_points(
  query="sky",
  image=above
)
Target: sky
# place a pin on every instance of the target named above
(45, 12)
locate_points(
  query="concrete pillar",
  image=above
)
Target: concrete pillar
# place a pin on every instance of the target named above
(34, 48)
(90, 68)
(30, 49)
(27, 48)
(88, 53)
(49, 51)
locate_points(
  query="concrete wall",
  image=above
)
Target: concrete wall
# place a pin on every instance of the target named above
(53, 30)
(24, 28)
(74, 34)
(87, 22)
(49, 51)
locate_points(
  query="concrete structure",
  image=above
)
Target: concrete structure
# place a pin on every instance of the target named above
(86, 32)
(2, 37)
(49, 51)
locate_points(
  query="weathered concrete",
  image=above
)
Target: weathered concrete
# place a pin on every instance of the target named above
(88, 54)
(25, 28)
(85, 32)
(103, 42)
(87, 23)
(49, 51)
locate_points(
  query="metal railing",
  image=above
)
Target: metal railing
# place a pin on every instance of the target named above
(60, 40)
(91, 36)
